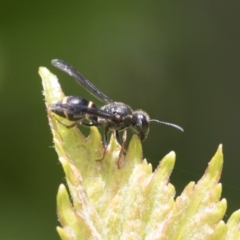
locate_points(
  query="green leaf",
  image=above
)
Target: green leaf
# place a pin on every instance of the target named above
(121, 197)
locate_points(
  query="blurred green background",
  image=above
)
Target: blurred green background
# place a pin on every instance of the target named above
(179, 61)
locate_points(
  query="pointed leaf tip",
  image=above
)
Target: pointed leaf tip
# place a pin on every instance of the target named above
(172, 154)
(134, 153)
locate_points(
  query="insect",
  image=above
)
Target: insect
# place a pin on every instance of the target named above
(113, 116)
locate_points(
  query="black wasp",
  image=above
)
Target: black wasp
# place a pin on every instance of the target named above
(114, 116)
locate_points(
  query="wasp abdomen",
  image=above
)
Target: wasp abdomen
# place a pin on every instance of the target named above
(73, 108)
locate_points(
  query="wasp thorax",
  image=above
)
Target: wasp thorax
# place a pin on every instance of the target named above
(122, 116)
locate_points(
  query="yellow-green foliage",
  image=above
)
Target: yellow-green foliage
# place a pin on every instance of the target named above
(122, 198)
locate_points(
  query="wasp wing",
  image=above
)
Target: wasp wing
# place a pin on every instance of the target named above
(70, 70)
(83, 110)
(100, 113)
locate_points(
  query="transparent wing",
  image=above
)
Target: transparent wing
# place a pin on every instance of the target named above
(65, 67)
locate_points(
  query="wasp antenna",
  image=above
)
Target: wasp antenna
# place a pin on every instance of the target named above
(167, 123)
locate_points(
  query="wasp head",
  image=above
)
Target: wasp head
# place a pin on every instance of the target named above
(140, 124)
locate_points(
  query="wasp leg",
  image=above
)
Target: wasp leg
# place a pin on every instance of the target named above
(68, 126)
(122, 141)
(118, 138)
(123, 149)
(105, 144)
(105, 138)
(72, 125)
